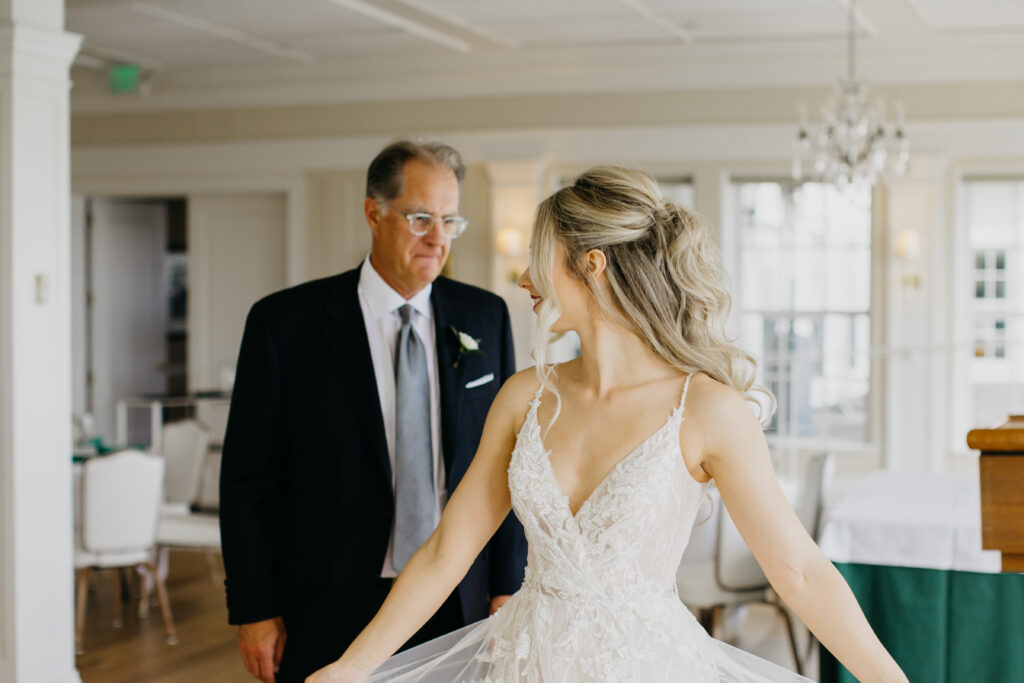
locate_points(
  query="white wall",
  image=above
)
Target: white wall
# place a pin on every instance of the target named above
(237, 254)
(129, 311)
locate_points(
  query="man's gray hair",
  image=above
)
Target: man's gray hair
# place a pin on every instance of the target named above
(384, 177)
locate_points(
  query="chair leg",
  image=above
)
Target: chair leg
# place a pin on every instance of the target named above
(165, 605)
(797, 660)
(213, 565)
(82, 601)
(144, 596)
(118, 606)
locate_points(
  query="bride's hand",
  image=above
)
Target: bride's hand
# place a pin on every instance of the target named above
(338, 672)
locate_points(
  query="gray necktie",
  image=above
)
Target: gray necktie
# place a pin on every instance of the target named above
(414, 467)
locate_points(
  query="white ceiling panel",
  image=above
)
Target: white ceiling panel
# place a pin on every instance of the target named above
(529, 45)
(187, 54)
(113, 23)
(968, 15)
(494, 12)
(760, 25)
(627, 29)
(327, 44)
(274, 18)
(744, 6)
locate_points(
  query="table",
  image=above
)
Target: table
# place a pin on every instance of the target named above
(909, 545)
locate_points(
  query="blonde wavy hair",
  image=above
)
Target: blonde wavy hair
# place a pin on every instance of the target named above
(665, 280)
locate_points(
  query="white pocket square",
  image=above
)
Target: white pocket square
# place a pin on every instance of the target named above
(480, 381)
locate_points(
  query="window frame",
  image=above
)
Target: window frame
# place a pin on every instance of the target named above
(790, 449)
(961, 292)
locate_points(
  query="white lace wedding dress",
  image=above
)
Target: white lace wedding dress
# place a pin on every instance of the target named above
(599, 603)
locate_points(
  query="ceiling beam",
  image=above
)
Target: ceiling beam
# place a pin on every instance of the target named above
(889, 19)
(225, 32)
(668, 26)
(405, 23)
(464, 24)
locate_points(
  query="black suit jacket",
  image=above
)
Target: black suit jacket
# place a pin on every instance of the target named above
(306, 498)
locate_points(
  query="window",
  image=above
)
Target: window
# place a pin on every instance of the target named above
(802, 282)
(994, 212)
(990, 274)
(679, 191)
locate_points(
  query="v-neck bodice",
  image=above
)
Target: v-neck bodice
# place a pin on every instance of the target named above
(632, 528)
(671, 423)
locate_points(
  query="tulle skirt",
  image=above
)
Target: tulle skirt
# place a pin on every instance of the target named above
(541, 636)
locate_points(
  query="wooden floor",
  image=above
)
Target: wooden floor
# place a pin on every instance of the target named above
(207, 649)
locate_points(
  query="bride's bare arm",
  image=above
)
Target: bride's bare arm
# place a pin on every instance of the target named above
(723, 428)
(473, 513)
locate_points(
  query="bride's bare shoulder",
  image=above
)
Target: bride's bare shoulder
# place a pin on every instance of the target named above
(719, 420)
(515, 395)
(521, 388)
(522, 385)
(717, 406)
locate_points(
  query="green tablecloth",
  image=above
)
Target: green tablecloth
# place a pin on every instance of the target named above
(941, 626)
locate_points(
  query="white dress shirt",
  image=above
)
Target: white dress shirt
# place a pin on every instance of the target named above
(380, 304)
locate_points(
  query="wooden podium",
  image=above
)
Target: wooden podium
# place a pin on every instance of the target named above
(1002, 489)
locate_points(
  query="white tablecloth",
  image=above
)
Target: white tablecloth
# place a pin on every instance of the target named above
(931, 521)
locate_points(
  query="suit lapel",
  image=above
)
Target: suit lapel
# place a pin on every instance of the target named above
(450, 378)
(345, 334)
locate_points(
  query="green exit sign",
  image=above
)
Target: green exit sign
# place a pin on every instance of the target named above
(124, 78)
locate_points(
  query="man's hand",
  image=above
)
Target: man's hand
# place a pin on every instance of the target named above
(262, 644)
(497, 601)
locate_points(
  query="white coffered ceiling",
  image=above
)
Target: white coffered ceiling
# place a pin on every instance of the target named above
(198, 53)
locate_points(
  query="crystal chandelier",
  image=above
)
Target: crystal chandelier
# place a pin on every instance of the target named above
(852, 143)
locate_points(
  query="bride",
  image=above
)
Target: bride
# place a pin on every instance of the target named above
(606, 460)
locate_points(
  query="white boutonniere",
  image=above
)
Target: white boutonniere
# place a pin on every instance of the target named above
(468, 346)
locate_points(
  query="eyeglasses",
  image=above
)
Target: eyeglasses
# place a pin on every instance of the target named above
(421, 223)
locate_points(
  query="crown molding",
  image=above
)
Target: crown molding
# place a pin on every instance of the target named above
(566, 70)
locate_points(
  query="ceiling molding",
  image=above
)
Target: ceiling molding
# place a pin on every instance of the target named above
(465, 25)
(669, 27)
(645, 68)
(405, 23)
(223, 32)
(778, 106)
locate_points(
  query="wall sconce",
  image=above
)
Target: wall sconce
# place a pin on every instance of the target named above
(510, 241)
(510, 246)
(908, 253)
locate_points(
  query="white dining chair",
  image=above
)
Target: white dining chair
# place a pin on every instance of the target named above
(182, 526)
(120, 500)
(718, 570)
(183, 446)
(213, 415)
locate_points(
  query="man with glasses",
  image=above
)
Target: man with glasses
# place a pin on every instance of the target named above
(359, 401)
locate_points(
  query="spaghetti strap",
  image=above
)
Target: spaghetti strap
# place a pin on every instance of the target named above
(535, 403)
(678, 412)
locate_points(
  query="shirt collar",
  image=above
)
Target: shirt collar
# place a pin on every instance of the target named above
(383, 300)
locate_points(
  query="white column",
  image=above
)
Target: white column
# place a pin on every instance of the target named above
(918, 349)
(36, 594)
(515, 192)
